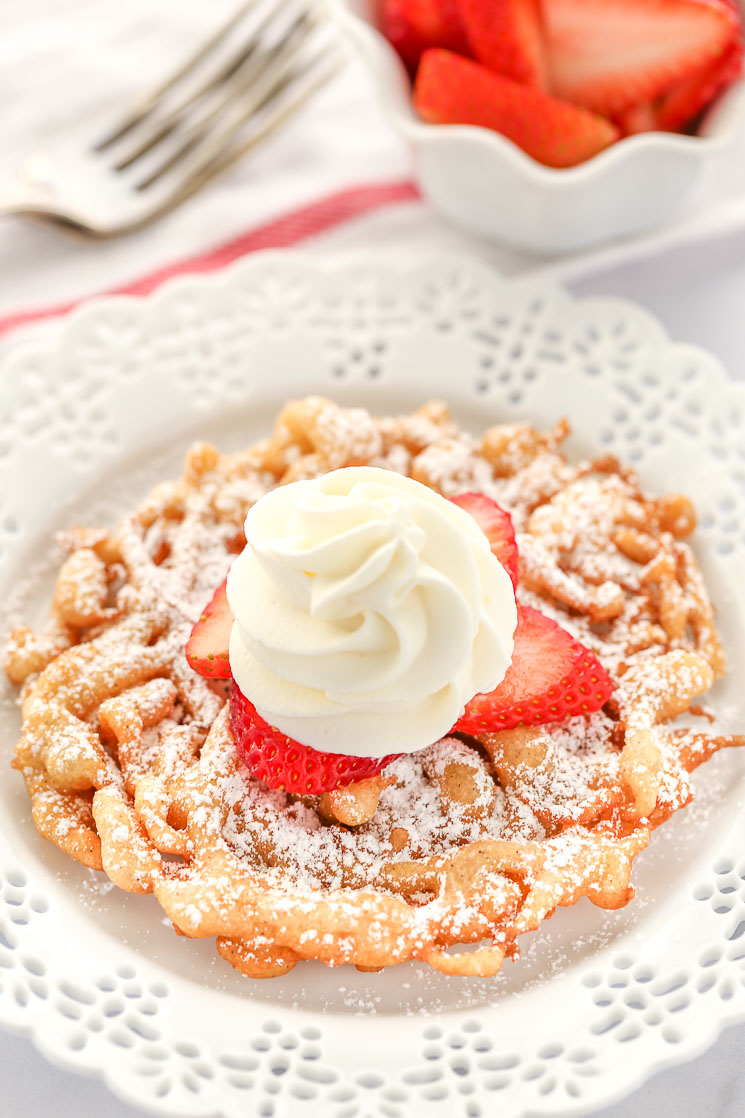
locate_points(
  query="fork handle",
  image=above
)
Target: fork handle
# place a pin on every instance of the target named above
(20, 201)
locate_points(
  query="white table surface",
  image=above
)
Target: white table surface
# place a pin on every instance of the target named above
(699, 294)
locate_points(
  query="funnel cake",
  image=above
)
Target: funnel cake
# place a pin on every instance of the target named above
(131, 768)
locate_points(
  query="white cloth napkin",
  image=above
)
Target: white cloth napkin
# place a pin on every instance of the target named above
(70, 66)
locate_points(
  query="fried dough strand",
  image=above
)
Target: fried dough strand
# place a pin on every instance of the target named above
(131, 768)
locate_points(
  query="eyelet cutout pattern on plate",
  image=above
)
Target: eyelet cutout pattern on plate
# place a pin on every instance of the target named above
(128, 371)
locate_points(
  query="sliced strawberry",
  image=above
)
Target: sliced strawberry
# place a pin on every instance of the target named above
(286, 764)
(608, 55)
(552, 677)
(638, 119)
(680, 106)
(437, 22)
(454, 90)
(207, 647)
(496, 524)
(412, 26)
(401, 35)
(684, 100)
(507, 36)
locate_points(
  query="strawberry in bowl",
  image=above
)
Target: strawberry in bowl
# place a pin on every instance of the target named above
(389, 546)
(564, 79)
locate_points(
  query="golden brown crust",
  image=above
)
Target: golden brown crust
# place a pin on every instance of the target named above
(130, 766)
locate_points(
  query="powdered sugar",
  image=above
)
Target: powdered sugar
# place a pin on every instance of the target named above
(164, 565)
(311, 855)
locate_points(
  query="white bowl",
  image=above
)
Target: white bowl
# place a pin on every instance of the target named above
(489, 186)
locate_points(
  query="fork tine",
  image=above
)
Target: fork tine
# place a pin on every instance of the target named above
(168, 124)
(259, 83)
(147, 104)
(208, 168)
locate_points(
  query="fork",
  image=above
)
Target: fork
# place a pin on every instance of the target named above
(252, 75)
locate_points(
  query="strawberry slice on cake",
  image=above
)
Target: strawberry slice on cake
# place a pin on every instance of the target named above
(496, 524)
(286, 764)
(552, 677)
(207, 647)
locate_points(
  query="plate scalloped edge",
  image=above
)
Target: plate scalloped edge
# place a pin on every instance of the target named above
(363, 327)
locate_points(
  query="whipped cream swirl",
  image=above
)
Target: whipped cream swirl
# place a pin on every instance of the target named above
(368, 611)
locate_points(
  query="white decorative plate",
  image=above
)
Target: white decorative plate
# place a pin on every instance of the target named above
(600, 999)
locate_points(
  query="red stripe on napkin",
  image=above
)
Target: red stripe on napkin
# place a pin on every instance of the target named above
(281, 232)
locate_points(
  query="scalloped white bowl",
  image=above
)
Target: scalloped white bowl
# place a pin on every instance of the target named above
(487, 185)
